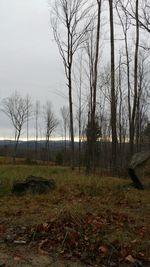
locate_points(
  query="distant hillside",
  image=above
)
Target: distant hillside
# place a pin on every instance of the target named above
(55, 145)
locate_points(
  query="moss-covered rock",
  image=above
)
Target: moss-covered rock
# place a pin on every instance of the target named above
(34, 185)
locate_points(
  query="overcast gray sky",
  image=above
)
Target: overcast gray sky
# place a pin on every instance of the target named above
(29, 58)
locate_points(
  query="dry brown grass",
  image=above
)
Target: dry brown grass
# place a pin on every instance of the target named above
(79, 195)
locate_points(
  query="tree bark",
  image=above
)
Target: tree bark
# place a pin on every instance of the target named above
(132, 127)
(113, 91)
(16, 146)
(71, 119)
(93, 95)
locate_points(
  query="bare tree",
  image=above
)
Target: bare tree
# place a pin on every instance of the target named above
(142, 99)
(15, 107)
(68, 22)
(122, 111)
(92, 48)
(79, 78)
(131, 12)
(143, 16)
(120, 104)
(125, 24)
(51, 124)
(136, 56)
(29, 110)
(113, 89)
(37, 113)
(96, 59)
(79, 112)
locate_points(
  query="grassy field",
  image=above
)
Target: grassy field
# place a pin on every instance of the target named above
(92, 217)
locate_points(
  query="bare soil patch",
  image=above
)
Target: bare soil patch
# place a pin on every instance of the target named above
(24, 256)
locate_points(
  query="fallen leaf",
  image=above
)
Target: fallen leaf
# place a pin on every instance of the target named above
(45, 227)
(103, 250)
(141, 254)
(129, 258)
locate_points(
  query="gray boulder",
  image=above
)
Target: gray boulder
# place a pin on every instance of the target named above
(139, 169)
(34, 185)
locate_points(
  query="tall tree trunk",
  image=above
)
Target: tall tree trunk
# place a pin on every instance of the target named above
(69, 77)
(125, 32)
(65, 126)
(95, 83)
(71, 116)
(120, 109)
(37, 108)
(80, 111)
(36, 136)
(132, 128)
(113, 91)
(128, 83)
(47, 149)
(17, 136)
(27, 130)
(96, 61)
(93, 94)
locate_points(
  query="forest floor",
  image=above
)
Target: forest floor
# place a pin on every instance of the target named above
(86, 221)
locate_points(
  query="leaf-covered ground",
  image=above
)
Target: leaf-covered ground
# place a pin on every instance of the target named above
(98, 221)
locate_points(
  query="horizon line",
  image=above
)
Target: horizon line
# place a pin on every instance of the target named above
(40, 139)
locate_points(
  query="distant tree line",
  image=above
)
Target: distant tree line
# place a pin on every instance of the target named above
(23, 114)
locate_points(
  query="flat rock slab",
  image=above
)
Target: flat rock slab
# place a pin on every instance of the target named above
(34, 185)
(139, 169)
